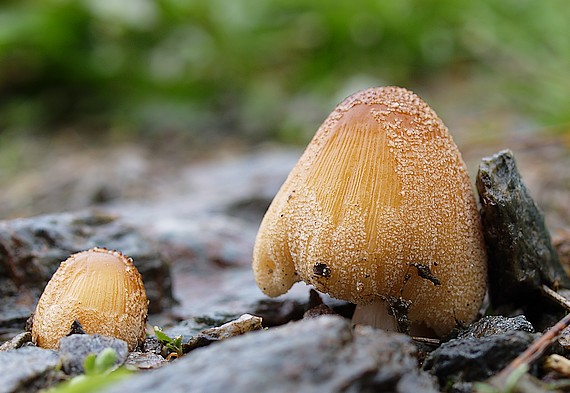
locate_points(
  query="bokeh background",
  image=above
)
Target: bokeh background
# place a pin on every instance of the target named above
(110, 96)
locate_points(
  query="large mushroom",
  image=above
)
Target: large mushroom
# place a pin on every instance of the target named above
(379, 211)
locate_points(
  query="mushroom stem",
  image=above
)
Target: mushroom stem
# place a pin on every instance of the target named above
(375, 314)
(389, 314)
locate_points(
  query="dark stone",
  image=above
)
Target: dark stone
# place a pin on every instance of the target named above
(521, 255)
(317, 311)
(476, 359)
(31, 250)
(75, 348)
(76, 328)
(277, 312)
(496, 324)
(28, 369)
(313, 355)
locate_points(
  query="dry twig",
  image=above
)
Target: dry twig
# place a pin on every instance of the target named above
(537, 348)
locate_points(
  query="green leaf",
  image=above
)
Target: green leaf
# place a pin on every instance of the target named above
(161, 336)
(105, 361)
(89, 364)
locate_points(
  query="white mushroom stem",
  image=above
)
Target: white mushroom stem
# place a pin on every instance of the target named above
(375, 314)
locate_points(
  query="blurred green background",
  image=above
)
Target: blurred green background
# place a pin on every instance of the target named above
(268, 70)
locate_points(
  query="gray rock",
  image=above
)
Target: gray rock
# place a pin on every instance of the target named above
(521, 256)
(496, 324)
(145, 360)
(476, 359)
(314, 355)
(75, 348)
(28, 369)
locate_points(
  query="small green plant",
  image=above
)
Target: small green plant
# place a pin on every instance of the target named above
(509, 384)
(99, 371)
(174, 345)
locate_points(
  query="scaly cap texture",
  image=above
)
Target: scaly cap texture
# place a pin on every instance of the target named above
(379, 206)
(99, 288)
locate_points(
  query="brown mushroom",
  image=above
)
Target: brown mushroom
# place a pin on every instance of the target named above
(379, 211)
(99, 289)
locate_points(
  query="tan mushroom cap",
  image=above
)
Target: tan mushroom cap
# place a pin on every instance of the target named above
(101, 289)
(380, 193)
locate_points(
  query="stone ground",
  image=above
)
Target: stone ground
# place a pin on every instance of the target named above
(201, 210)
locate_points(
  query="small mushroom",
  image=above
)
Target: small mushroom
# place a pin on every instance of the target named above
(379, 211)
(99, 290)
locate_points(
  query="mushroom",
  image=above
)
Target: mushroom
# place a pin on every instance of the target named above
(379, 211)
(96, 291)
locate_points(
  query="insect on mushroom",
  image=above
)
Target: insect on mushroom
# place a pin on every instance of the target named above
(95, 291)
(381, 194)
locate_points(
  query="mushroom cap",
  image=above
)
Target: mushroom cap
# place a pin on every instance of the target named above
(379, 206)
(99, 288)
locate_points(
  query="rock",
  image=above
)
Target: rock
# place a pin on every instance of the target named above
(245, 323)
(521, 256)
(313, 355)
(74, 349)
(277, 312)
(28, 369)
(476, 359)
(496, 324)
(32, 248)
(17, 341)
(192, 339)
(564, 341)
(145, 360)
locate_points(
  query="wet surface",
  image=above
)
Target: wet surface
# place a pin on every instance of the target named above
(202, 219)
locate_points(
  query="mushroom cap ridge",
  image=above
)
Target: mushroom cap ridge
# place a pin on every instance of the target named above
(380, 196)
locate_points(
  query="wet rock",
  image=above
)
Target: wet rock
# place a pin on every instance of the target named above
(476, 359)
(314, 355)
(32, 248)
(521, 256)
(75, 348)
(28, 370)
(496, 324)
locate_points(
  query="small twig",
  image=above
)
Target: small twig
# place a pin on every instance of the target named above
(537, 348)
(428, 341)
(558, 298)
